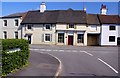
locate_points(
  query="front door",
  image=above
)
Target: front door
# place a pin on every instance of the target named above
(29, 39)
(70, 40)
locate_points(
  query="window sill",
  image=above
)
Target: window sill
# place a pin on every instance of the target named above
(47, 41)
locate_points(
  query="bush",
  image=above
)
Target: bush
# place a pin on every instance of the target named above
(14, 60)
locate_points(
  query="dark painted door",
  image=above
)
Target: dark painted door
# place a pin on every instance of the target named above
(29, 39)
(70, 40)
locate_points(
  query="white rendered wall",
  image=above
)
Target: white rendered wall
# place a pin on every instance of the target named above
(11, 28)
(105, 33)
(0, 28)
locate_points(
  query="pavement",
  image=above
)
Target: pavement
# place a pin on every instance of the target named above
(40, 64)
(83, 61)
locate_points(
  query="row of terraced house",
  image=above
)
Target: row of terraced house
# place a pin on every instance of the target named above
(62, 27)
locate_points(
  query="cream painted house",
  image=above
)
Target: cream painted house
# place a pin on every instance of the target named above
(58, 27)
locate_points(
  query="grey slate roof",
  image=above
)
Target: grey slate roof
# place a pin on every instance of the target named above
(92, 19)
(14, 15)
(56, 16)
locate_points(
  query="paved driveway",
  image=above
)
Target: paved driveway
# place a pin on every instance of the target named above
(83, 61)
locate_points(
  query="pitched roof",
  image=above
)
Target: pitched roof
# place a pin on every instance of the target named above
(37, 17)
(72, 16)
(92, 19)
(109, 19)
(15, 15)
(56, 16)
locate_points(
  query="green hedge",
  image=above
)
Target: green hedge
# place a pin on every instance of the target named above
(14, 60)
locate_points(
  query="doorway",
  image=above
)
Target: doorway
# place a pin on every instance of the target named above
(92, 40)
(29, 39)
(70, 40)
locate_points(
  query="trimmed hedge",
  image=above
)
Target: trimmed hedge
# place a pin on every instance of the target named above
(14, 60)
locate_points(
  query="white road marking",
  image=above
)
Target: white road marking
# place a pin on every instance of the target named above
(42, 49)
(60, 64)
(47, 50)
(60, 50)
(87, 53)
(34, 49)
(108, 65)
(55, 50)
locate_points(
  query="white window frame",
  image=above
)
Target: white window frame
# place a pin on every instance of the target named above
(60, 39)
(4, 35)
(112, 36)
(45, 37)
(110, 26)
(27, 26)
(72, 27)
(15, 35)
(78, 41)
(46, 25)
(15, 22)
(4, 23)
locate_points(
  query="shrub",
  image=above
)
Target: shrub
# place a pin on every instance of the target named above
(14, 60)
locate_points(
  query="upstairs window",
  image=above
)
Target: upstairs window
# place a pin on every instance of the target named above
(16, 22)
(112, 28)
(111, 38)
(47, 26)
(29, 27)
(16, 35)
(71, 25)
(5, 22)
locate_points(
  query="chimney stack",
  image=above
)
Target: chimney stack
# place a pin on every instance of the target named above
(84, 9)
(42, 7)
(103, 9)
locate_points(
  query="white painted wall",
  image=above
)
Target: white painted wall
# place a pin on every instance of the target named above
(105, 33)
(94, 29)
(119, 31)
(11, 28)
(0, 28)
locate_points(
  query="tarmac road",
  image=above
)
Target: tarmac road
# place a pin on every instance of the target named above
(84, 61)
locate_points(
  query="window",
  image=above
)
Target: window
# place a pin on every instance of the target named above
(60, 37)
(29, 26)
(71, 25)
(112, 28)
(5, 22)
(16, 22)
(80, 38)
(47, 37)
(16, 35)
(47, 26)
(5, 35)
(111, 38)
